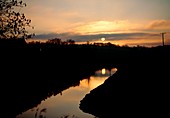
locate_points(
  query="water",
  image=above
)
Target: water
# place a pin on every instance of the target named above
(66, 104)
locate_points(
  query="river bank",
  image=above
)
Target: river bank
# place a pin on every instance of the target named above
(139, 88)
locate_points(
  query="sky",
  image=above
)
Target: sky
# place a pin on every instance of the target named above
(121, 22)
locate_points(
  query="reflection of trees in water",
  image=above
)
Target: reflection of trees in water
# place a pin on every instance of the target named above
(88, 80)
(105, 72)
(44, 88)
(71, 116)
(41, 113)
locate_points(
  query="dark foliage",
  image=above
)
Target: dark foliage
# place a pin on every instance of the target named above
(13, 23)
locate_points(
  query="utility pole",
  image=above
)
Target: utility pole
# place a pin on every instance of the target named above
(163, 33)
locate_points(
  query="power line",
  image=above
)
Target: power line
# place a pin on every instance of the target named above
(163, 38)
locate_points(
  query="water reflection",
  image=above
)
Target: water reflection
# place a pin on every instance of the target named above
(103, 71)
(66, 104)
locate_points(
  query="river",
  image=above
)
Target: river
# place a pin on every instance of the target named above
(66, 104)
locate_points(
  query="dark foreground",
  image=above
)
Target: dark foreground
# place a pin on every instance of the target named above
(31, 73)
(140, 88)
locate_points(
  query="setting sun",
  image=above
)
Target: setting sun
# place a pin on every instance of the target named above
(103, 39)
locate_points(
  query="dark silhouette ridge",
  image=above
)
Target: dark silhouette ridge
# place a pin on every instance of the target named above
(10, 43)
(32, 72)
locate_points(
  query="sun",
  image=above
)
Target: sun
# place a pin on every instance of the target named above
(103, 39)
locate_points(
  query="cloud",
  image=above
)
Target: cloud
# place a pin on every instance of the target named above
(102, 26)
(159, 25)
(95, 37)
(56, 17)
(121, 26)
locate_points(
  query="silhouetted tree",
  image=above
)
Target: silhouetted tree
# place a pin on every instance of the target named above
(13, 24)
(55, 41)
(70, 41)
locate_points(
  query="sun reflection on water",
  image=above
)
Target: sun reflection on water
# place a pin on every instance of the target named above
(103, 71)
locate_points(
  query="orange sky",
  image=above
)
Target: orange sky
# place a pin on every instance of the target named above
(93, 17)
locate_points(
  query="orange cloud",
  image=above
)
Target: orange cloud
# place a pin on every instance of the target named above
(159, 24)
(121, 26)
(117, 26)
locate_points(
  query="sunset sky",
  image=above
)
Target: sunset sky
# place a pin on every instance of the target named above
(119, 21)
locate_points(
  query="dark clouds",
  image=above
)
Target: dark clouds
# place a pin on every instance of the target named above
(95, 37)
